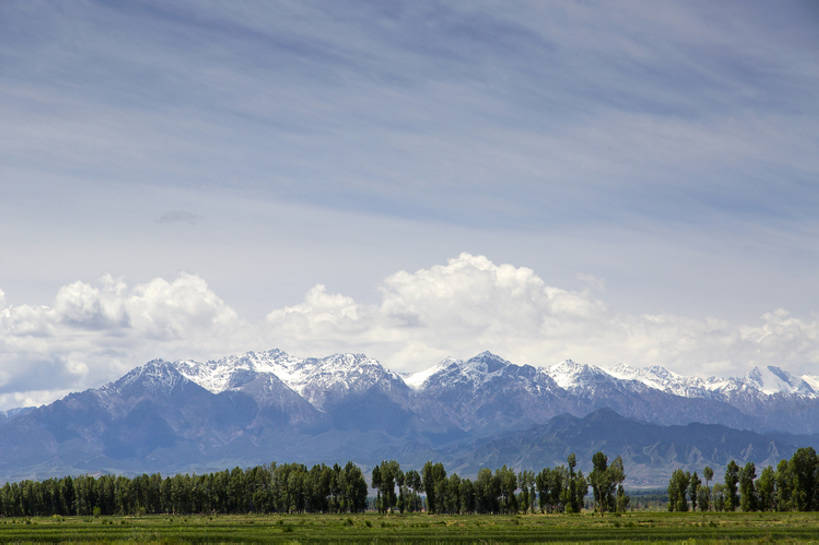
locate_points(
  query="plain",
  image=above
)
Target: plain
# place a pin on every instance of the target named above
(633, 527)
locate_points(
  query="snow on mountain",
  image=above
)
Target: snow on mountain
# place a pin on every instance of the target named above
(774, 380)
(477, 392)
(215, 375)
(476, 372)
(155, 376)
(665, 380)
(765, 381)
(484, 393)
(318, 380)
(321, 380)
(569, 374)
(486, 363)
(418, 379)
(271, 404)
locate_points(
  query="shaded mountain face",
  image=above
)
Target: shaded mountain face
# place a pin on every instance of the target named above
(770, 398)
(260, 406)
(650, 452)
(485, 393)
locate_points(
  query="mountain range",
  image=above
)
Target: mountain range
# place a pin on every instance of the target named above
(262, 406)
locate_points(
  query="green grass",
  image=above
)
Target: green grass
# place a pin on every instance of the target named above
(642, 527)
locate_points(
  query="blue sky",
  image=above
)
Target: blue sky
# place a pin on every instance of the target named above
(660, 157)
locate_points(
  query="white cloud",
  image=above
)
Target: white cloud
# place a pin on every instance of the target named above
(95, 331)
(471, 304)
(175, 310)
(87, 306)
(30, 398)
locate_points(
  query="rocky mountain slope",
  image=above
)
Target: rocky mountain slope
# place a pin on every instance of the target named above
(260, 406)
(650, 452)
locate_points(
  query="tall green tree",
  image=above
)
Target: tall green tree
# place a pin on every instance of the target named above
(487, 490)
(576, 487)
(708, 474)
(693, 490)
(731, 481)
(384, 478)
(677, 490)
(432, 475)
(719, 497)
(784, 486)
(581, 489)
(412, 480)
(507, 484)
(766, 489)
(704, 498)
(804, 467)
(605, 481)
(526, 484)
(748, 500)
(467, 496)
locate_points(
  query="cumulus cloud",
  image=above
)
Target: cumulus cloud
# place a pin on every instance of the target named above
(455, 309)
(93, 332)
(92, 307)
(471, 304)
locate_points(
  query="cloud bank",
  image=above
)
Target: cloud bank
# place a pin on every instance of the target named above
(93, 332)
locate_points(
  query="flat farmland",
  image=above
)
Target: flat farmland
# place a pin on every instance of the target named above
(638, 527)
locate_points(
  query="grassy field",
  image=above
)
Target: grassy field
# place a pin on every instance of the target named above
(642, 527)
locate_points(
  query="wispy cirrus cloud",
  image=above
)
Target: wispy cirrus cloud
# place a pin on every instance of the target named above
(673, 113)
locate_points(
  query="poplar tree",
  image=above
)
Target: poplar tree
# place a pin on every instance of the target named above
(693, 490)
(431, 477)
(765, 489)
(731, 480)
(746, 487)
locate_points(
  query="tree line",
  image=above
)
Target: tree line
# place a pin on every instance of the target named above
(792, 486)
(295, 488)
(273, 488)
(552, 490)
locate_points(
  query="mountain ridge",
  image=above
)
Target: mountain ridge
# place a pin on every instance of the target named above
(246, 408)
(214, 375)
(764, 397)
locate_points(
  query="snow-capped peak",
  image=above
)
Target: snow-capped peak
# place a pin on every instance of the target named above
(486, 362)
(156, 375)
(659, 378)
(774, 380)
(338, 369)
(475, 371)
(769, 380)
(570, 374)
(299, 374)
(321, 380)
(417, 380)
(215, 375)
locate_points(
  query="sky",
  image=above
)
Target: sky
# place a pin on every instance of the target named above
(607, 182)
